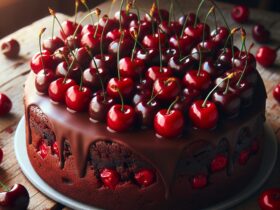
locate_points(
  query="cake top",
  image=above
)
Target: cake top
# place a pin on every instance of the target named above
(155, 72)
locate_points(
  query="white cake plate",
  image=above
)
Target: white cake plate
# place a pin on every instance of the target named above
(268, 162)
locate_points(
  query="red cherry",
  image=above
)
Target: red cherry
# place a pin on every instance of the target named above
(158, 15)
(91, 29)
(184, 43)
(144, 177)
(180, 67)
(68, 29)
(204, 117)
(276, 93)
(120, 120)
(36, 62)
(62, 70)
(106, 62)
(88, 40)
(77, 98)
(155, 72)
(43, 80)
(199, 181)
(126, 18)
(170, 28)
(167, 88)
(125, 86)
(82, 57)
(152, 40)
(58, 88)
(5, 104)
(260, 33)
(167, 54)
(42, 149)
(109, 177)
(16, 198)
(219, 163)
(191, 19)
(149, 56)
(270, 199)
(146, 111)
(108, 24)
(73, 42)
(219, 36)
(116, 34)
(145, 28)
(10, 48)
(52, 44)
(266, 56)
(55, 149)
(131, 68)
(244, 156)
(197, 32)
(199, 82)
(126, 47)
(91, 77)
(240, 13)
(245, 91)
(1, 155)
(169, 124)
(60, 54)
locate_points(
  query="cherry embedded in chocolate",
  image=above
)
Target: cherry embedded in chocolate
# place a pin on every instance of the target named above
(55, 149)
(270, 199)
(145, 112)
(10, 48)
(169, 123)
(244, 157)
(16, 198)
(68, 29)
(199, 181)
(99, 106)
(5, 104)
(266, 56)
(43, 80)
(260, 33)
(52, 44)
(144, 177)
(204, 117)
(58, 88)
(156, 72)
(240, 13)
(276, 93)
(125, 86)
(42, 149)
(77, 98)
(131, 68)
(110, 178)
(198, 82)
(36, 62)
(167, 89)
(219, 163)
(121, 118)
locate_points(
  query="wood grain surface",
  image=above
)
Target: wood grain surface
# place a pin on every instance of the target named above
(13, 74)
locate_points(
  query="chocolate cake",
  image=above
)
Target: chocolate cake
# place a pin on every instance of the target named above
(140, 163)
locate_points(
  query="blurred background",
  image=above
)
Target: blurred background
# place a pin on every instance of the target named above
(24, 12)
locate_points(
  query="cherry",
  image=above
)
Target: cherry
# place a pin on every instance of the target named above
(42, 149)
(58, 88)
(204, 116)
(210, 67)
(219, 36)
(106, 62)
(141, 95)
(167, 54)
(167, 88)
(244, 157)
(120, 117)
(245, 90)
(91, 77)
(52, 44)
(125, 86)
(91, 29)
(88, 40)
(62, 70)
(15, 198)
(99, 106)
(206, 49)
(240, 13)
(36, 62)
(1, 155)
(199, 181)
(183, 44)
(116, 34)
(68, 29)
(73, 42)
(158, 15)
(43, 80)
(126, 47)
(156, 72)
(149, 56)
(227, 102)
(224, 60)
(170, 28)
(276, 93)
(179, 67)
(219, 163)
(199, 82)
(191, 93)
(126, 18)
(145, 177)
(145, 112)
(131, 68)
(190, 21)
(55, 149)
(145, 28)
(197, 32)
(5, 104)
(77, 98)
(270, 199)
(108, 24)
(110, 178)
(260, 33)
(10, 48)
(152, 40)
(266, 56)
(60, 54)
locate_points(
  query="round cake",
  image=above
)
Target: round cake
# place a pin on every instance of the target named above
(148, 113)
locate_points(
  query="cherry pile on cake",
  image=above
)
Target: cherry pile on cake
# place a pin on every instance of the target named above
(146, 112)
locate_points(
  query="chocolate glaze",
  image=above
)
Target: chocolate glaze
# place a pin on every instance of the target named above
(162, 154)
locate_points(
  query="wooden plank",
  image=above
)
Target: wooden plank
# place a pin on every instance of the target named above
(13, 74)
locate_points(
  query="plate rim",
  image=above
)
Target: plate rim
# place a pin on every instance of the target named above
(27, 169)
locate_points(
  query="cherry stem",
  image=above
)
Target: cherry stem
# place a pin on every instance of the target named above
(40, 47)
(210, 93)
(69, 69)
(159, 13)
(152, 96)
(184, 25)
(87, 8)
(172, 104)
(135, 36)
(197, 12)
(244, 69)
(118, 54)
(4, 187)
(188, 56)
(227, 87)
(215, 19)
(76, 10)
(170, 12)
(221, 13)
(160, 52)
(205, 20)
(243, 38)
(179, 47)
(153, 23)
(121, 97)
(97, 26)
(102, 37)
(120, 17)
(200, 61)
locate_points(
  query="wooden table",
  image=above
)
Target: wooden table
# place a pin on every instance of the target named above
(13, 73)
